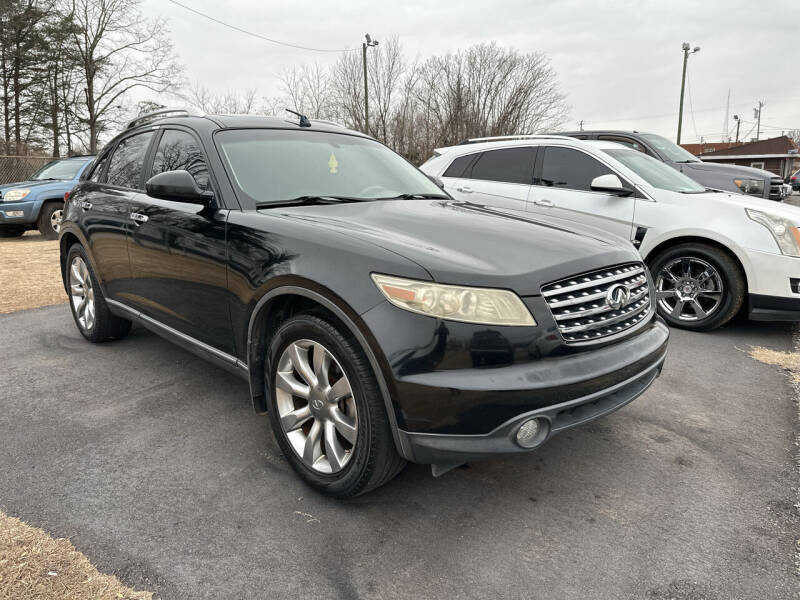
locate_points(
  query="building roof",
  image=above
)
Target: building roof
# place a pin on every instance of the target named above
(707, 147)
(780, 145)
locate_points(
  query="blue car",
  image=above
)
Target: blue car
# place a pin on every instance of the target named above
(39, 202)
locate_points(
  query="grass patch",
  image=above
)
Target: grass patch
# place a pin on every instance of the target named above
(30, 272)
(790, 361)
(35, 565)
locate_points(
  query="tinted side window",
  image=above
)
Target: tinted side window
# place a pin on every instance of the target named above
(569, 169)
(627, 142)
(459, 166)
(509, 165)
(125, 168)
(97, 170)
(178, 150)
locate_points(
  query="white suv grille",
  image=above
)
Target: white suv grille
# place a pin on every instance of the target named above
(600, 303)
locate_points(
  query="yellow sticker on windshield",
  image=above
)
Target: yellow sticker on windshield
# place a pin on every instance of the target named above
(333, 164)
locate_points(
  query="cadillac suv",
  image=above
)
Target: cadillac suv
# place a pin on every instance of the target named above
(376, 320)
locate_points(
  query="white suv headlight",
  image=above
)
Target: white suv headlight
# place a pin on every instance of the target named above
(456, 303)
(784, 231)
(13, 195)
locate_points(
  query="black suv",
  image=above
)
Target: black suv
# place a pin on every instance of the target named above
(376, 319)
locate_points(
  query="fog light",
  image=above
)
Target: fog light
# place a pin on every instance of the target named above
(15, 213)
(528, 433)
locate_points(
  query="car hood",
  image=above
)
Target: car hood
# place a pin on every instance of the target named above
(469, 244)
(32, 184)
(771, 207)
(732, 170)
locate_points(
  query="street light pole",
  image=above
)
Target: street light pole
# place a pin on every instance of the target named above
(686, 46)
(369, 42)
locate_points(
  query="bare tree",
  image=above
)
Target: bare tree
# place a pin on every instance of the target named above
(307, 89)
(794, 135)
(226, 103)
(119, 50)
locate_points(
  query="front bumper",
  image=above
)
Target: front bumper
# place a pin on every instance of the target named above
(770, 274)
(26, 207)
(460, 391)
(447, 451)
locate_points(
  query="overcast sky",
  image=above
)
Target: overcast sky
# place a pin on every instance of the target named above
(619, 63)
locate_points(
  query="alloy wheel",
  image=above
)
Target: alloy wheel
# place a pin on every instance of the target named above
(689, 289)
(82, 293)
(55, 219)
(316, 407)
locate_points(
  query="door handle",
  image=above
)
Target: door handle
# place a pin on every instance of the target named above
(465, 189)
(544, 202)
(138, 218)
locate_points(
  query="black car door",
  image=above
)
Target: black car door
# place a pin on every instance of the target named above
(177, 249)
(103, 202)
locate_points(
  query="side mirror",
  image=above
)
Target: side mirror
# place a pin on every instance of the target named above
(436, 180)
(178, 186)
(610, 184)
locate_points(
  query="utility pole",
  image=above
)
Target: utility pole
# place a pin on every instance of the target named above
(738, 122)
(757, 115)
(686, 52)
(368, 43)
(581, 124)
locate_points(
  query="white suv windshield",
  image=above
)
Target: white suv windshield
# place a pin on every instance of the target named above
(655, 172)
(273, 165)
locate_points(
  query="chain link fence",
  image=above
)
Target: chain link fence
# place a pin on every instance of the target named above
(20, 168)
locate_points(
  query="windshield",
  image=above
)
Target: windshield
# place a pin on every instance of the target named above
(655, 172)
(669, 149)
(59, 169)
(273, 165)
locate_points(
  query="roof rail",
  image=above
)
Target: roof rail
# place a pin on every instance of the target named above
(163, 113)
(497, 138)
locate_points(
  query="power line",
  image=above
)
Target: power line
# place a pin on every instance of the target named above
(256, 35)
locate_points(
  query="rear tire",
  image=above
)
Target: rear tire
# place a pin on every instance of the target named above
(326, 410)
(50, 217)
(698, 286)
(89, 309)
(12, 231)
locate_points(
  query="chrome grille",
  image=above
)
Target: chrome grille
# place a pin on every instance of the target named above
(581, 307)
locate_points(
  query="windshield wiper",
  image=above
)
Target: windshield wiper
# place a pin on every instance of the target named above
(309, 200)
(416, 197)
(682, 162)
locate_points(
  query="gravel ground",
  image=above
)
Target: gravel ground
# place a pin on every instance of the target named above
(153, 464)
(30, 273)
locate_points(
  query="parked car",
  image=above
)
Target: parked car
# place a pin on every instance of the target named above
(711, 253)
(39, 202)
(718, 176)
(376, 320)
(794, 181)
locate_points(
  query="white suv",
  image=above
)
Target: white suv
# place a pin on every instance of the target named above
(709, 251)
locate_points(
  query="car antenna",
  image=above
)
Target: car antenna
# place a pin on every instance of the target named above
(304, 122)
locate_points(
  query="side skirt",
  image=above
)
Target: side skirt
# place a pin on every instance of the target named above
(196, 347)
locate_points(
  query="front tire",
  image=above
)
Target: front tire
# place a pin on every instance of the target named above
(698, 286)
(50, 217)
(326, 409)
(89, 309)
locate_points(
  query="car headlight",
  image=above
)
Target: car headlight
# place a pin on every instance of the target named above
(754, 187)
(456, 303)
(13, 195)
(784, 231)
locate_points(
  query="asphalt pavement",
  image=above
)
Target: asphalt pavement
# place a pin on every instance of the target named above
(153, 463)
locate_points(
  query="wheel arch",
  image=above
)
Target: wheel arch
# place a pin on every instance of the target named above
(285, 300)
(663, 245)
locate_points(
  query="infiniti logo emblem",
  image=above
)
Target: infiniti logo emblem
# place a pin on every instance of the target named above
(618, 296)
(317, 403)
